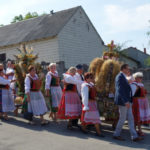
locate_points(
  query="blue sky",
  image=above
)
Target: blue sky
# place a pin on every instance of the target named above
(124, 21)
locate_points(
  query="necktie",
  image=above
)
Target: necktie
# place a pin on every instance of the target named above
(81, 77)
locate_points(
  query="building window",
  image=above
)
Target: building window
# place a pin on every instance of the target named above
(2, 57)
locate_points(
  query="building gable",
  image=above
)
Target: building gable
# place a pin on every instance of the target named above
(79, 41)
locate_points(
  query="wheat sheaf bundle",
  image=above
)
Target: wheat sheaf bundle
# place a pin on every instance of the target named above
(24, 59)
(95, 66)
(105, 82)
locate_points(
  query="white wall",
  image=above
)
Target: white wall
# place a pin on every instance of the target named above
(47, 50)
(78, 41)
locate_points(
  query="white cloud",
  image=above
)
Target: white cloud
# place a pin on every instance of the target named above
(123, 19)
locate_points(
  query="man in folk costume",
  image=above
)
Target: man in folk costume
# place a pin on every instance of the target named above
(6, 100)
(53, 89)
(140, 107)
(70, 105)
(35, 98)
(90, 114)
(78, 76)
(123, 98)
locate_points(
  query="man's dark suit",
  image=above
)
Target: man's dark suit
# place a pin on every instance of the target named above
(123, 92)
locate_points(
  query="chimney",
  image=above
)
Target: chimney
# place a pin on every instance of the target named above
(145, 50)
(52, 12)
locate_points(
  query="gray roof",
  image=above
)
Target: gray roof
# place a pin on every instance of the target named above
(36, 28)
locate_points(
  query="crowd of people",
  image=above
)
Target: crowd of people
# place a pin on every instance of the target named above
(77, 100)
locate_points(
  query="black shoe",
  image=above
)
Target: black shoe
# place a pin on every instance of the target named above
(83, 131)
(44, 123)
(118, 138)
(76, 125)
(100, 135)
(137, 139)
(69, 127)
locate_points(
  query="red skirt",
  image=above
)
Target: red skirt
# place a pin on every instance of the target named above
(70, 106)
(92, 116)
(141, 111)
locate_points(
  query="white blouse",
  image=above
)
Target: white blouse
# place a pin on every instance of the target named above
(4, 81)
(78, 77)
(71, 79)
(49, 78)
(133, 86)
(85, 94)
(28, 82)
(10, 70)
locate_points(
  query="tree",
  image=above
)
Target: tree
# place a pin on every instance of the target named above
(31, 15)
(17, 18)
(1, 25)
(27, 16)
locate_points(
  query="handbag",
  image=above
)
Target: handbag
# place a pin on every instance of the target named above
(27, 115)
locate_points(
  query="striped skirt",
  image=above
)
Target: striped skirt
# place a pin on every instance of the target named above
(141, 110)
(55, 97)
(70, 106)
(92, 115)
(6, 101)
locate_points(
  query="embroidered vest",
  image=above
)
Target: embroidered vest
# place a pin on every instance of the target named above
(140, 92)
(4, 86)
(55, 81)
(92, 93)
(35, 84)
(70, 87)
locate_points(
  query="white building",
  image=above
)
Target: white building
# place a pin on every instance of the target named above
(67, 36)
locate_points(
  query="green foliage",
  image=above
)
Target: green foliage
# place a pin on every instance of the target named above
(27, 16)
(17, 18)
(1, 25)
(31, 15)
(147, 62)
(120, 47)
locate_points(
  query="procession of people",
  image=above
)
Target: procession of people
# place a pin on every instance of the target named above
(76, 101)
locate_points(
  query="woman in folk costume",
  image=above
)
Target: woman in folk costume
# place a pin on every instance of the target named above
(36, 101)
(53, 89)
(140, 107)
(90, 114)
(70, 105)
(6, 99)
(10, 70)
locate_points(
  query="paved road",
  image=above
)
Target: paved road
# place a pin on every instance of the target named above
(18, 135)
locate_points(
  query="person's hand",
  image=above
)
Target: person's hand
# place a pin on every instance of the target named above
(127, 105)
(47, 93)
(28, 98)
